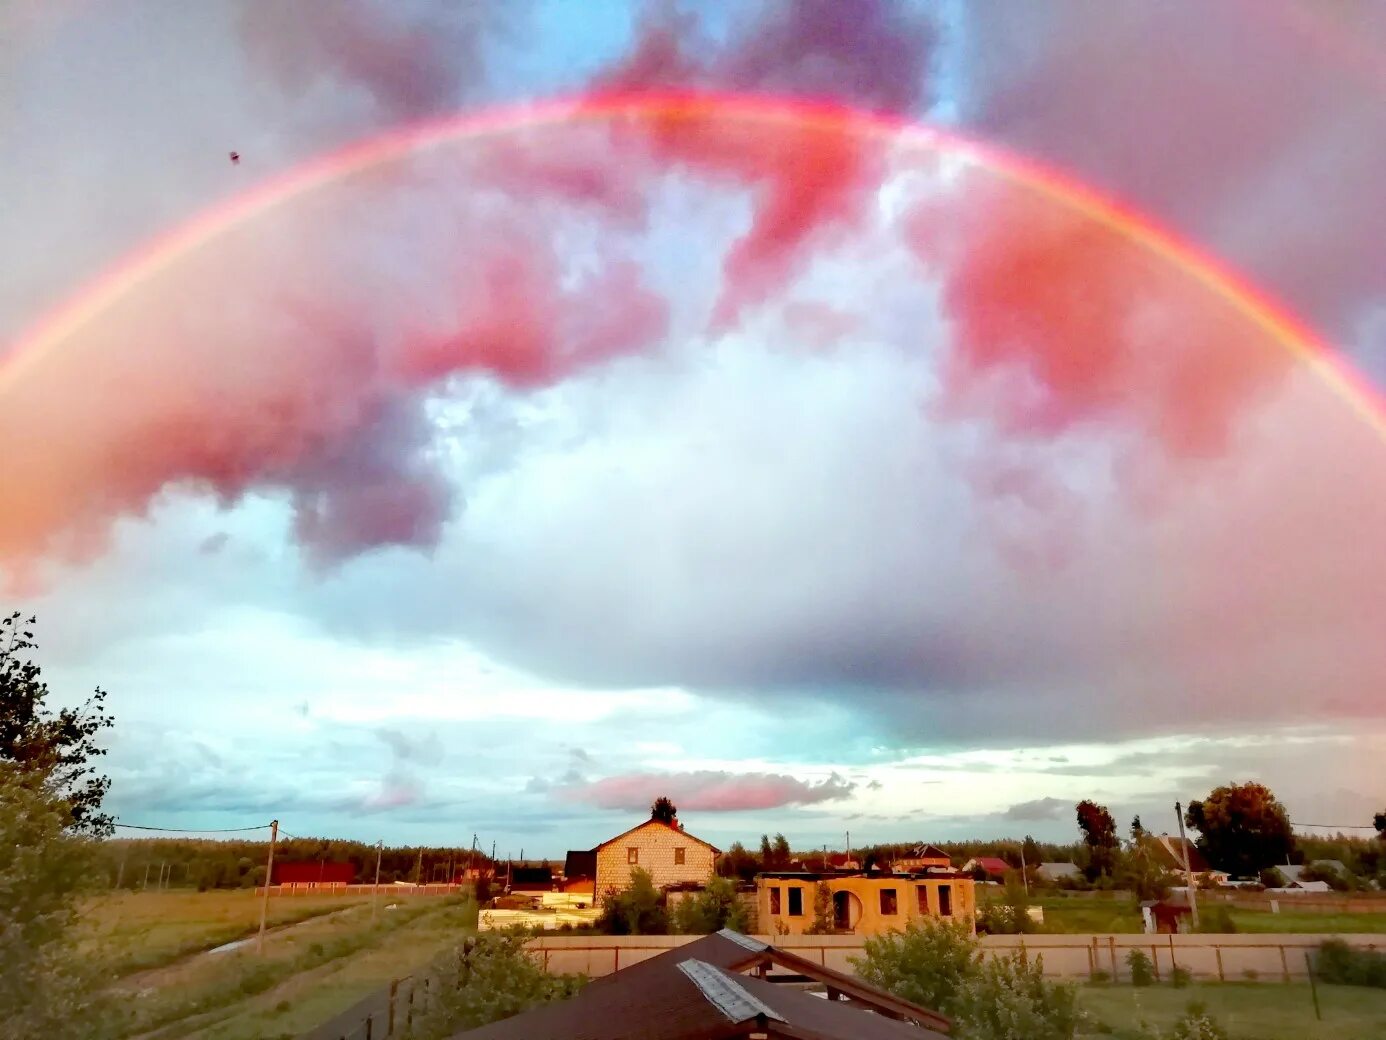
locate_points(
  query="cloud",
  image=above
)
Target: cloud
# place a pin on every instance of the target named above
(1038, 809)
(708, 791)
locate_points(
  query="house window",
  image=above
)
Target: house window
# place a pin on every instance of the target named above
(923, 891)
(945, 900)
(796, 902)
(889, 906)
(632, 855)
(774, 901)
(678, 857)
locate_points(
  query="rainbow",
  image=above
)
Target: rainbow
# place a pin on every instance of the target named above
(166, 250)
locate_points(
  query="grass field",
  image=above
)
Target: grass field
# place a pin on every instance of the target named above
(136, 931)
(1248, 1011)
(326, 953)
(1100, 914)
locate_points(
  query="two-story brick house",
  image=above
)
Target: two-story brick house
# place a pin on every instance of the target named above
(668, 853)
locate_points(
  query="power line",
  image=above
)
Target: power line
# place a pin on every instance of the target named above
(1335, 826)
(195, 830)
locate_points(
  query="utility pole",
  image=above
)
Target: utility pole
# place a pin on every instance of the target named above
(120, 871)
(144, 885)
(1188, 874)
(418, 871)
(269, 876)
(1023, 876)
(375, 891)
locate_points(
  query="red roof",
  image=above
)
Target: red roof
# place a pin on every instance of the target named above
(313, 873)
(993, 864)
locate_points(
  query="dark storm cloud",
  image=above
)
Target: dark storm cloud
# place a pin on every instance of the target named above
(1038, 809)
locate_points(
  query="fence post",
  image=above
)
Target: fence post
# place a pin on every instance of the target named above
(1217, 952)
(1284, 964)
(1092, 958)
(1111, 951)
(368, 1027)
(390, 1022)
(1313, 986)
(1155, 960)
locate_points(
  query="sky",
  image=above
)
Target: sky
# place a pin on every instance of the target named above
(896, 418)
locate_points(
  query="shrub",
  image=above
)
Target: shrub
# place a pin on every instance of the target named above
(639, 910)
(1340, 963)
(1010, 999)
(1142, 970)
(1101, 978)
(927, 963)
(1270, 878)
(1216, 918)
(824, 919)
(1197, 1024)
(1180, 977)
(714, 908)
(488, 978)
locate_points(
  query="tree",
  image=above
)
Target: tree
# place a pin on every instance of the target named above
(1099, 835)
(927, 963)
(780, 853)
(1142, 873)
(738, 862)
(1138, 831)
(824, 920)
(767, 853)
(716, 907)
(45, 871)
(639, 910)
(1379, 822)
(59, 747)
(1242, 828)
(664, 810)
(490, 977)
(1030, 852)
(1008, 998)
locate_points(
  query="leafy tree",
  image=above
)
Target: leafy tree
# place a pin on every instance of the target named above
(46, 985)
(738, 862)
(1379, 822)
(639, 910)
(59, 747)
(1329, 875)
(714, 908)
(1138, 831)
(1269, 877)
(1142, 873)
(664, 810)
(928, 963)
(824, 920)
(1242, 828)
(1100, 837)
(780, 853)
(1007, 998)
(1008, 916)
(767, 853)
(490, 977)
(1030, 852)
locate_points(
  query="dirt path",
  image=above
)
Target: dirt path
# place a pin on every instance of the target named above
(151, 978)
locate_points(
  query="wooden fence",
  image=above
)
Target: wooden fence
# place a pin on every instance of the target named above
(1267, 958)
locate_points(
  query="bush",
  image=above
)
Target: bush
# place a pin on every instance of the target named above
(1142, 970)
(639, 910)
(1271, 878)
(1216, 918)
(1197, 1024)
(714, 908)
(928, 963)
(489, 978)
(1010, 999)
(1343, 965)
(1180, 977)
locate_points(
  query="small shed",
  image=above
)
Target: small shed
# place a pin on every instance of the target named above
(1165, 918)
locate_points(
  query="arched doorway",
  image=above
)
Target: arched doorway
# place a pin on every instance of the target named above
(846, 911)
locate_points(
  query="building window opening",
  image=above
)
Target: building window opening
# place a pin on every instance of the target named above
(796, 902)
(889, 906)
(632, 855)
(678, 857)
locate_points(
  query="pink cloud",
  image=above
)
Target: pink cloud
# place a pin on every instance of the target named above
(707, 791)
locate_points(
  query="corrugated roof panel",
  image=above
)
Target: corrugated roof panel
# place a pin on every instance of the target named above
(725, 995)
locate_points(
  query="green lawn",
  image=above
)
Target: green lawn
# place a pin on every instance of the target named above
(1104, 914)
(1248, 1011)
(135, 931)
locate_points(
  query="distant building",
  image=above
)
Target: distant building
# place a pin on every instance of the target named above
(1059, 872)
(993, 867)
(923, 857)
(862, 904)
(665, 851)
(525, 878)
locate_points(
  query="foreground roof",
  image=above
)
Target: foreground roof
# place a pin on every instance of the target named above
(700, 990)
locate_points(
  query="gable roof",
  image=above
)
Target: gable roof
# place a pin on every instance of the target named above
(580, 864)
(1058, 870)
(927, 852)
(698, 991)
(658, 823)
(1173, 849)
(992, 864)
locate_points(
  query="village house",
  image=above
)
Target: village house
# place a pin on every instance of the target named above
(1170, 852)
(1059, 872)
(863, 904)
(994, 867)
(921, 858)
(665, 851)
